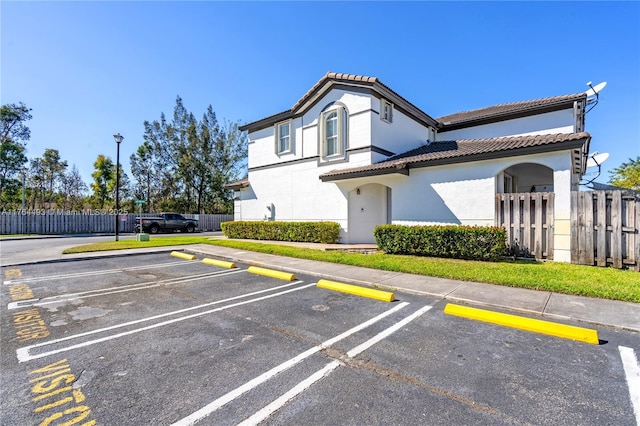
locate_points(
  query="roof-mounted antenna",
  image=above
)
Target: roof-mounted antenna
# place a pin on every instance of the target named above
(593, 94)
(595, 159)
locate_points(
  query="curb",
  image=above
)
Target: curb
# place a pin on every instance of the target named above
(564, 331)
(286, 276)
(383, 296)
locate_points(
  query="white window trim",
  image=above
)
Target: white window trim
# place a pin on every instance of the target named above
(277, 137)
(342, 133)
(385, 103)
(507, 186)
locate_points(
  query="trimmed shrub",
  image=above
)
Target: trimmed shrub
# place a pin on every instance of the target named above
(458, 242)
(307, 232)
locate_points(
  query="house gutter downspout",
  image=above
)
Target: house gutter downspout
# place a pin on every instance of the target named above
(579, 115)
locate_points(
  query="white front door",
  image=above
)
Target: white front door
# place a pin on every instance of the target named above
(367, 208)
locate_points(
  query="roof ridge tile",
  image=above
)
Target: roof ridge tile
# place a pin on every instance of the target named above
(503, 108)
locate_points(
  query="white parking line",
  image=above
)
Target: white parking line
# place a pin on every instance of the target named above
(632, 372)
(292, 393)
(118, 289)
(24, 354)
(92, 273)
(326, 370)
(230, 396)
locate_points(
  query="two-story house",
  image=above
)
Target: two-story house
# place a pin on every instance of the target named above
(353, 151)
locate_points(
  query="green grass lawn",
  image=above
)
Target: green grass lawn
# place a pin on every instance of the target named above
(604, 283)
(590, 281)
(132, 244)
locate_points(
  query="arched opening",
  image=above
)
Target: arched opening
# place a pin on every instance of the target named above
(525, 177)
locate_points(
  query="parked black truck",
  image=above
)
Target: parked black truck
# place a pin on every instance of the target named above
(166, 222)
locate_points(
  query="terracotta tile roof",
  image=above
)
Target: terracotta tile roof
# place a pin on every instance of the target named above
(510, 109)
(339, 77)
(448, 122)
(464, 150)
(237, 185)
(330, 78)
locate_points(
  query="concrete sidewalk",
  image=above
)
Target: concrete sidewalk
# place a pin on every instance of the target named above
(611, 313)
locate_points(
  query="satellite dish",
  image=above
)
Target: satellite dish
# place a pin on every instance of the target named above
(593, 95)
(596, 159)
(594, 90)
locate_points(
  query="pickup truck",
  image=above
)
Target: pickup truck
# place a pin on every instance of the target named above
(166, 222)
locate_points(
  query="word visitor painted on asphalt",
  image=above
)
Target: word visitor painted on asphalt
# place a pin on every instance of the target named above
(53, 391)
(52, 386)
(29, 324)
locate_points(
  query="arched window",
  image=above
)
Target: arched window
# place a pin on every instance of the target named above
(333, 133)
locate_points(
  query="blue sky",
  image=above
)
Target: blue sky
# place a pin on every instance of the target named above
(92, 69)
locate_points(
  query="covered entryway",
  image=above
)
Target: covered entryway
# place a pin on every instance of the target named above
(525, 208)
(369, 206)
(526, 177)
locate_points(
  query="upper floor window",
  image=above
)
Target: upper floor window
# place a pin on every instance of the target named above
(283, 137)
(333, 132)
(386, 111)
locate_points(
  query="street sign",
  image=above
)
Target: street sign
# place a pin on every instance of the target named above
(140, 201)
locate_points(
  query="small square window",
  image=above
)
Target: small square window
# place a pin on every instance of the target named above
(386, 111)
(283, 137)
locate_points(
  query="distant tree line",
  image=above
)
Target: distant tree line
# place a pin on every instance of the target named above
(181, 165)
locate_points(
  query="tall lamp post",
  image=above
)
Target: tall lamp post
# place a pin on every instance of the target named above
(24, 205)
(118, 137)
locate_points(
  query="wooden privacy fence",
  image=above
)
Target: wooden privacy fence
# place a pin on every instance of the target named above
(65, 222)
(604, 229)
(528, 219)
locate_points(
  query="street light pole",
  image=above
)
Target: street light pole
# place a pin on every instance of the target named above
(23, 214)
(118, 137)
(24, 189)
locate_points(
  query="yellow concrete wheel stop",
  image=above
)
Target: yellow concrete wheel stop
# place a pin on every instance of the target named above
(182, 255)
(529, 324)
(220, 263)
(287, 276)
(385, 296)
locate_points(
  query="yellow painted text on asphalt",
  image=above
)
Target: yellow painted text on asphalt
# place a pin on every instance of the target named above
(53, 392)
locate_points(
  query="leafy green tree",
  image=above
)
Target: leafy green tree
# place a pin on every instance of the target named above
(627, 175)
(53, 170)
(12, 119)
(124, 183)
(38, 182)
(73, 190)
(104, 183)
(156, 134)
(178, 137)
(192, 159)
(103, 174)
(196, 159)
(12, 160)
(145, 170)
(230, 161)
(14, 135)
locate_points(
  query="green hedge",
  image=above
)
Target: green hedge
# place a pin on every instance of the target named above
(458, 242)
(307, 232)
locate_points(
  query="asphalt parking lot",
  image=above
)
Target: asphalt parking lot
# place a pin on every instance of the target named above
(154, 339)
